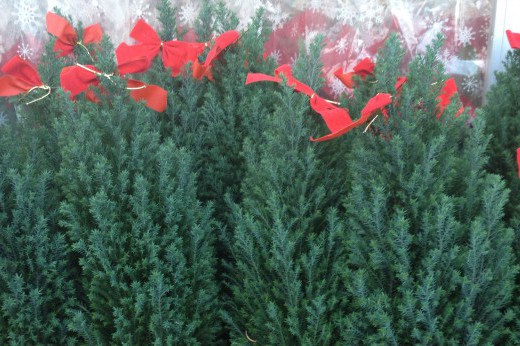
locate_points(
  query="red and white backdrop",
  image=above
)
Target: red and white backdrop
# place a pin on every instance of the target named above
(353, 29)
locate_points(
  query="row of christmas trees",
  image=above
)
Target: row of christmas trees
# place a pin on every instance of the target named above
(217, 221)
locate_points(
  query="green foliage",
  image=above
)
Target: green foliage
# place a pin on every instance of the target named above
(431, 258)
(284, 271)
(36, 286)
(219, 222)
(502, 112)
(143, 241)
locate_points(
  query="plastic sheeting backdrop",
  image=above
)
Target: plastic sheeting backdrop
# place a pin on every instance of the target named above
(354, 29)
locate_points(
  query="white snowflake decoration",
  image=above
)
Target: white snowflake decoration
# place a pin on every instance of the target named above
(465, 35)
(472, 84)
(141, 10)
(341, 46)
(188, 13)
(371, 12)
(345, 13)
(315, 5)
(26, 15)
(24, 51)
(276, 55)
(276, 15)
(337, 87)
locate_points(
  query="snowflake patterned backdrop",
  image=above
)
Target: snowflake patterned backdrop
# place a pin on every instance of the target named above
(353, 29)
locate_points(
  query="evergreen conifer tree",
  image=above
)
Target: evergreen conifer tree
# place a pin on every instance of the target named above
(142, 240)
(430, 257)
(502, 112)
(37, 290)
(284, 268)
(212, 117)
(36, 283)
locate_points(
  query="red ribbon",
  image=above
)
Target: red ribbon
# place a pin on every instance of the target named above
(221, 42)
(77, 79)
(364, 68)
(175, 54)
(155, 96)
(286, 72)
(448, 90)
(514, 39)
(373, 105)
(20, 77)
(67, 36)
(336, 118)
(400, 82)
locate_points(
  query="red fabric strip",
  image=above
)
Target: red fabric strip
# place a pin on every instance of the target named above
(92, 34)
(221, 43)
(155, 96)
(336, 118)
(448, 90)
(514, 39)
(11, 86)
(64, 32)
(373, 105)
(22, 70)
(76, 79)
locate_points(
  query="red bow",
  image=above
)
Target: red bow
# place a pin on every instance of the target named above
(514, 39)
(364, 68)
(21, 77)
(221, 43)
(175, 54)
(373, 105)
(286, 72)
(67, 36)
(79, 78)
(448, 90)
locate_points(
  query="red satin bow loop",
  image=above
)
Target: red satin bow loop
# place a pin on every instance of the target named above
(336, 118)
(376, 103)
(155, 96)
(514, 39)
(21, 78)
(67, 37)
(77, 79)
(221, 43)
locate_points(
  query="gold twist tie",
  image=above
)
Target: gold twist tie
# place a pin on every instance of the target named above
(249, 339)
(79, 43)
(43, 87)
(329, 101)
(107, 75)
(374, 119)
(136, 88)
